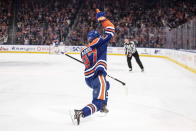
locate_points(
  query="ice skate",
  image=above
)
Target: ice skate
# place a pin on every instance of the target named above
(75, 116)
(78, 114)
(142, 70)
(130, 69)
(104, 109)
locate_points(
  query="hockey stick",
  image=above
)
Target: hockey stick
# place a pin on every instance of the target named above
(74, 58)
(107, 75)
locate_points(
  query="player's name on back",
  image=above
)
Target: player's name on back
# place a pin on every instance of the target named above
(86, 50)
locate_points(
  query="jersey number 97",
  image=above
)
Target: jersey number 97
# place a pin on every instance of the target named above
(90, 57)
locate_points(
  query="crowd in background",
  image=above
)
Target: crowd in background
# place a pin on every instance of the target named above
(45, 22)
(135, 19)
(5, 14)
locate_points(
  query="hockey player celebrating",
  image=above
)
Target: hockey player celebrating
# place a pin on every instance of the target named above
(130, 50)
(94, 56)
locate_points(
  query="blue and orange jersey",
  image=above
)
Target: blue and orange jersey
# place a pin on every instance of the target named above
(94, 55)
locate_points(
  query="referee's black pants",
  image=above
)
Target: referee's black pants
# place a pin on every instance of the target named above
(136, 56)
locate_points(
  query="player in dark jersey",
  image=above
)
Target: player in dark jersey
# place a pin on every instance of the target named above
(94, 56)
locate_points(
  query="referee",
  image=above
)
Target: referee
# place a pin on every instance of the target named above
(130, 50)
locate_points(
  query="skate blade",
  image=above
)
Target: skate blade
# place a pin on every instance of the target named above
(71, 114)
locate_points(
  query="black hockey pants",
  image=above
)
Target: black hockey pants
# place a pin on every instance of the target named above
(136, 58)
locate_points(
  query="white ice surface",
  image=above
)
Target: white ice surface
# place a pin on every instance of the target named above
(36, 92)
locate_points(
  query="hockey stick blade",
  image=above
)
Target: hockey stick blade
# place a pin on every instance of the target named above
(117, 80)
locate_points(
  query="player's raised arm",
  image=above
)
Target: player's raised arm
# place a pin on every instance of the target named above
(106, 23)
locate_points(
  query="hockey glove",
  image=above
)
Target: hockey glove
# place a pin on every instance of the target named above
(100, 16)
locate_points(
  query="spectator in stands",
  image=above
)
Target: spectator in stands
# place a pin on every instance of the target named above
(40, 21)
